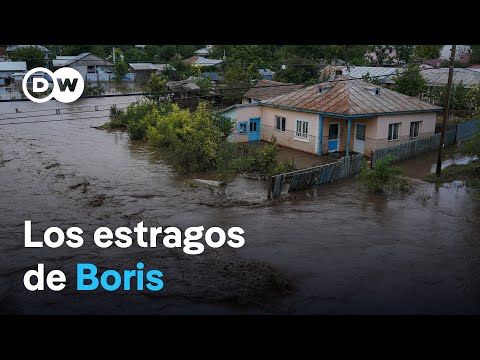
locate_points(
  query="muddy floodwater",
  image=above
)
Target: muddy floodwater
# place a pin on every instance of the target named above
(334, 249)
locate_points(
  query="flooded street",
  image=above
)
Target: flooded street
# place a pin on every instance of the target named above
(332, 249)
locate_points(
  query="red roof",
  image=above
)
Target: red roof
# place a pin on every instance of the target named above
(474, 67)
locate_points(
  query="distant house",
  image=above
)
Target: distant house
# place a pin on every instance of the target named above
(182, 89)
(205, 52)
(11, 48)
(266, 89)
(143, 71)
(379, 73)
(266, 74)
(214, 77)
(200, 61)
(8, 69)
(90, 66)
(343, 115)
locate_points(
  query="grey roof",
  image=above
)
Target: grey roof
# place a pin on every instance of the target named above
(437, 77)
(201, 61)
(349, 97)
(202, 51)
(62, 60)
(150, 66)
(11, 48)
(75, 58)
(214, 76)
(13, 66)
(357, 72)
(182, 85)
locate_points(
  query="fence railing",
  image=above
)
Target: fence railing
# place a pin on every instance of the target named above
(414, 147)
(306, 178)
(467, 129)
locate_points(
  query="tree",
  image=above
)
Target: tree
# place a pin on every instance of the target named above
(135, 55)
(380, 54)
(237, 75)
(383, 175)
(371, 79)
(404, 52)
(299, 70)
(155, 84)
(427, 51)
(33, 56)
(475, 54)
(410, 82)
(460, 97)
(120, 68)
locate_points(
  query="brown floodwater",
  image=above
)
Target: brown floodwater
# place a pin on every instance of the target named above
(333, 249)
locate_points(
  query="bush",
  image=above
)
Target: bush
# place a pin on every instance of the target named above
(383, 175)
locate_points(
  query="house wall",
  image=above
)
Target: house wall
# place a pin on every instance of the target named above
(287, 138)
(245, 114)
(427, 128)
(231, 114)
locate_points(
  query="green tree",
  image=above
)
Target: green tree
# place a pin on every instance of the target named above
(299, 70)
(371, 79)
(237, 75)
(472, 145)
(120, 68)
(404, 52)
(474, 54)
(135, 55)
(427, 51)
(155, 84)
(33, 56)
(460, 97)
(380, 54)
(384, 175)
(410, 82)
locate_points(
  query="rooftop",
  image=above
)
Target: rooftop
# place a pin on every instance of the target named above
(201, 61)
(347, 96)
(150, 66)
(358, 72)
(266, 89)
(13, 66)
(182, 85)
(11, 48)
(467, 77)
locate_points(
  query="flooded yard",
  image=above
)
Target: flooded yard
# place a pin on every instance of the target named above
(332, 249)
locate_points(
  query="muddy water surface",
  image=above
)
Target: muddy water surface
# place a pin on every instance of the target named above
(332, 249)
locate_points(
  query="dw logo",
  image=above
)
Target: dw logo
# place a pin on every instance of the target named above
(68, 84)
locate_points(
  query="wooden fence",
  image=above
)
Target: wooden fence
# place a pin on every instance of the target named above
(415, 147)
(306, 178)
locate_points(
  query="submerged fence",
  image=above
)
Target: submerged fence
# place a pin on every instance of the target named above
(467, 129)
(305, 178)
(415, 147)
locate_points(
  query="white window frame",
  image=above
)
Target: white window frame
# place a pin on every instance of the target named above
(302, 135)
(418, 132)
(393, 131)
(284, 123)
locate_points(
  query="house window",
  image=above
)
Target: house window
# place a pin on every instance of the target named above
(301, 129)
(91, 69)
(242, 128)
(414, 129)
(280, 123)
(393, 131)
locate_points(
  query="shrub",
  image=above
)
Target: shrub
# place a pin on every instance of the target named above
(383, 175)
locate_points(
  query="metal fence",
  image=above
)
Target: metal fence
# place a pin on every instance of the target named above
(306, 178)
(414, 147)
(467, 129)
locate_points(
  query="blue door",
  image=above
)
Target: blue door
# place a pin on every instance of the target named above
(254, 130)
(333, 135)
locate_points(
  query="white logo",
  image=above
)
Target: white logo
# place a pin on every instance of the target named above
(68, 85)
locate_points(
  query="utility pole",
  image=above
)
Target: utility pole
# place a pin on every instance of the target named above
(113, 55)
(446, 110)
